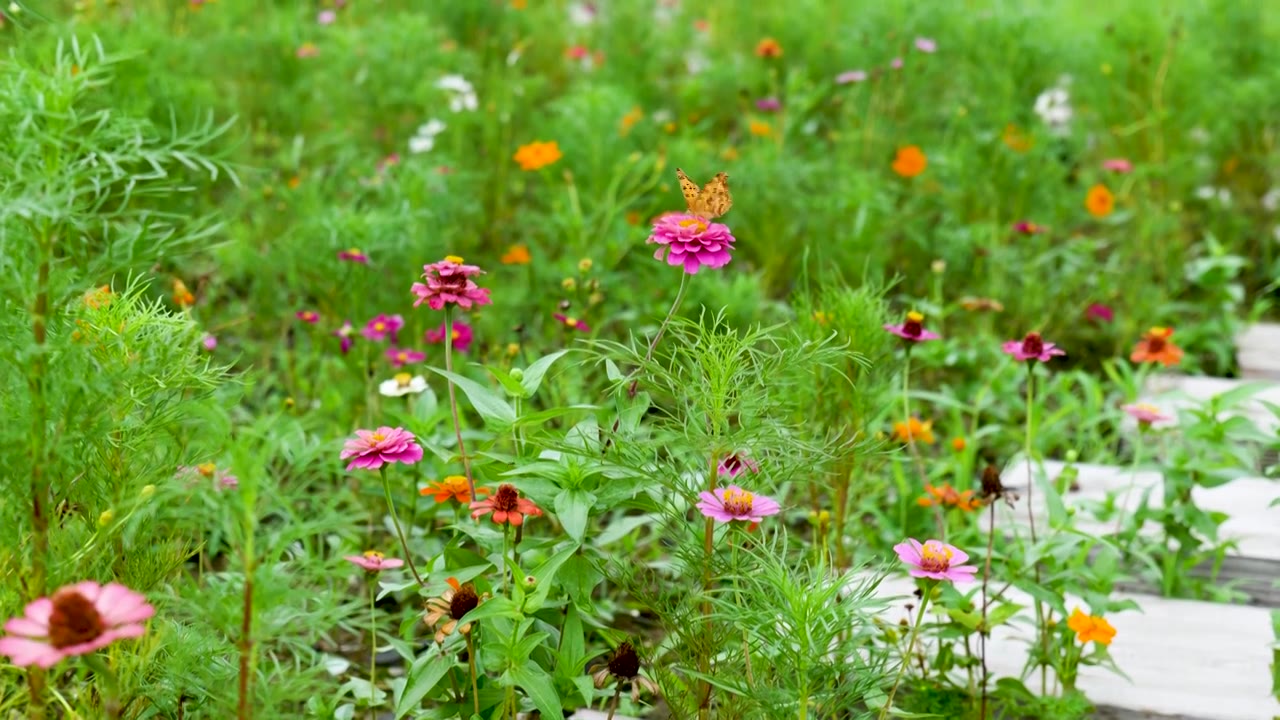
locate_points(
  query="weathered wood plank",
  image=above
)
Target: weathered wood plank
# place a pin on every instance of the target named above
(1258, 351)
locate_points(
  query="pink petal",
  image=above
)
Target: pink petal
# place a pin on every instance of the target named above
(119, 605)
(23, 652)
(908, 552)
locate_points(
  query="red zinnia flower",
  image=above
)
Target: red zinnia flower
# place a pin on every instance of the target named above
(506, 505)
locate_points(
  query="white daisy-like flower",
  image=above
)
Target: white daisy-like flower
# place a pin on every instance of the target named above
(1054, 108)
(425, 139)
(402, 384)
(462, 94)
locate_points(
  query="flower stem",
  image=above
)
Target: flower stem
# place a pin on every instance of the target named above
(506, 566)
(471, 662)
(453, 399)
(617, 696)
(40, 502)
(911, 645)
(404, 544)
(1133, 477)
(986, 578)
(109, 685)
(373, 645)
(653, 344)
(1041, 620)
(940, 527)
(365, 369)
(704, 659)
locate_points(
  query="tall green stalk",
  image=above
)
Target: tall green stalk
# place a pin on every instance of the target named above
(453, 399)
(911, 645)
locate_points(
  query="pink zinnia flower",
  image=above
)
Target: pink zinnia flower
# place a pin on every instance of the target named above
(209, 342)
(935, 559)
(896, 63)
(1117, 165)
(382, 327)
(326, 17)
(374, 562)
(344, 333)
(371, 449)
(1032, 347)
(572, 323)
(851, 76)
(734, 464)
(1026, 227)
(449, 281)
(769, 104)
(462, 336)
(310, 317)
(912, 329)
(353, 255)
(1146, 414)
(1097, 312)
(692, 242)
(734, 503)
(926, 45)
(76, 620)
(400, 357)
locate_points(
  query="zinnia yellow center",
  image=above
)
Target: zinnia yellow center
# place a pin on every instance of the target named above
(571, 322)
(378, 437)
(455, 334)
(453, 259)
(355, 251)
(694, 222)
(403, 379)
(379, 326)
(914, 316)
(373, 554)
(935, 557)
(737, 502)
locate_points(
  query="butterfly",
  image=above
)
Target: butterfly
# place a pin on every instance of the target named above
(712, 201)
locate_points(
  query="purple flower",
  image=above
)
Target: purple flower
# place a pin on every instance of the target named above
(1117, 165)
(374, 562)
(851, 76)
(326, 17)
(310, 317)
(1032, 347)
(913, 329)
(692, 242)
(382, 327)
(371, 449)
(936, 560)
(734, 503)
(769, 104)
(572, 323)
(926, 45)
(1026, 227)
(354, 255)
(344, 333)
(896, 63)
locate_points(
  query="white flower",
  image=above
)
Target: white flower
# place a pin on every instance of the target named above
(695, 62)
(1271, 201)
(662, 116)
(425, 139)
(1209, 192)
(462, 95)
(402, 384)
(1205, 192)
(582, 13)
(1054, 108)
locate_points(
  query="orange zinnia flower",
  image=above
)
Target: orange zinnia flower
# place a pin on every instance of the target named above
(516, 255)
(910, 161)
(537, 155)
(506, 505)
(1099, 202)
(1090, 628)
(1015, 139)
(769, 48)
(455, 487)
(913, 429)
(760, 129)
(1155, 346)
(182, 297)
(958, 444)
(947, 496)
(629, 120)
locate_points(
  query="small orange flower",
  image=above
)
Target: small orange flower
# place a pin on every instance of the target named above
(516, 255)
(98, 297)
(769, 48)
(1156, 347)
(454, 487)
(946, 496)
(294, 182)
(537, 155)
(519, 4)
(730, 153)
(1090, 628)
(913, 429)
(1099, 202)
(760, 128)
(182, 297)
(1015, 139)
(633, 116)
(958, 444)
(910, 161)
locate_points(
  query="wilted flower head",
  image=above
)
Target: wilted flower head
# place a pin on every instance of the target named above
(382, 327)
(462, 335)
(1032, 347)
(374, 562)
(371, 449)
(344, 334)
(1157, 347)
(733, 503)
(506, 505)
(449, 281)
(912, 329)
(692, 242)
(622, 665)
(444, 612)
(936, 560)
(734, 464)
(76, 620)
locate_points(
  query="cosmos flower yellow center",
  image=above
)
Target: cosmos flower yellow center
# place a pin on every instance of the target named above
(403, 379)
(737, 502)
(403, 356)
(935, 557)
(206, 469)
(455, 334)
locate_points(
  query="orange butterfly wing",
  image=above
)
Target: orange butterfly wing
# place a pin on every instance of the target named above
(712, 201)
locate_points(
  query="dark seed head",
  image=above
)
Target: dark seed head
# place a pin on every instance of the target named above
(506, 498)
(991, 485)
(624, 663)
(1032, 344)
(74, 620)
(464, 601)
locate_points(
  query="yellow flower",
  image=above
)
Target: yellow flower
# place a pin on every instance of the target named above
(537, 155)
(761, 129)
(910, 161)
(1090, 628)
(633, 116)
(913, 429)
(182, 297)
(1099, 201)
(730, 153)
(821, 317)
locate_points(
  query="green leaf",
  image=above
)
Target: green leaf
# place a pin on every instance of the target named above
(969, 620)
(491, 407)
(493, 607)
(534, 373)
(573, 509)
(424, 674)
(508, 383)
(537, 684)
(543, 416)
(579, 577)
(545, 574)
(1002, 613)
(573, 646)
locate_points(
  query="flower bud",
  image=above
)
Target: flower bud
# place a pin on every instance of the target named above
(148, 491)
(105, 518)
(517, 374)
(569, 284)
(584, 265)
(530, 582)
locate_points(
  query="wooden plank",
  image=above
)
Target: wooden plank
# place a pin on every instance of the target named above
(1185, 658)
(1258, 351)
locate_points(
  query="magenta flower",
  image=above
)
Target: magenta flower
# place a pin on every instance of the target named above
(76, 620)
(572, 323)
(383, 326)
(935, 559)
(462, 336)
(1117, 165)
(400, 357)
(1099, 313)
(1026, 227)
(769, 104)
(371, 449)
(896, 63)
(344, 333)
(1146, 414)
(734, 503)
(912, 329)
(926, 45)
(1032, 347)
(851, 76)
(692, 242)
(374, 562)
(209, 342)
(353, 255)
(310, 317)
(449, 281)
(734, 464)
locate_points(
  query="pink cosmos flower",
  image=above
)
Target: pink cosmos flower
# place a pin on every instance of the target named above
(371, 449)
(344, 333)
(374, 562)
(1026, 227)
(1146, 414)
(400, 357)
(912, 329)
(76, 620)
(692, 242)
(769, 104)
(209, 342)
(734, 464)
(353, 255)
(896, 63)
(851, 76)
(326, 17)
(1097, 312)
(310, 317)
(1032, 347)
(572, 323)
(926, 45)
(734, 503)
(383, 326)
(449, 281)
(935, 559)
(462, 336)
(1117, 165)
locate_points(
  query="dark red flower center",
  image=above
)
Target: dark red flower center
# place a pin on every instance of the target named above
(733, 465)
(624, 663)
(464, 601)
(912, 327)
(1155, 344)
(506, 499)
(74, 620)
(1033, 345)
